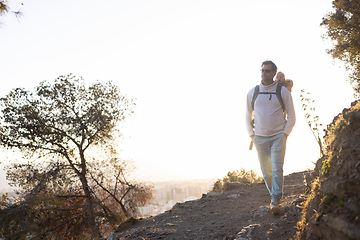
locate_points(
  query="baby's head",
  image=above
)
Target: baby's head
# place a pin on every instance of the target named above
(280, 77)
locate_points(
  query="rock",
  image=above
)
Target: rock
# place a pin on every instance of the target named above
(233, 185)
(342, 226)
(123, 226)
(213, 194)
(247, 232)
(234, 195)
(162, 233)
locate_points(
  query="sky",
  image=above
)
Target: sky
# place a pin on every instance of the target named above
(189, 64)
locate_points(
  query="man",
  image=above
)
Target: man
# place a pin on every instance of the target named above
(270, 130)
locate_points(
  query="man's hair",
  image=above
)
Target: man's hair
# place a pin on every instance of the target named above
(268, 62)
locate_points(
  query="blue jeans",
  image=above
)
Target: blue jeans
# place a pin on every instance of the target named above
(271, 154)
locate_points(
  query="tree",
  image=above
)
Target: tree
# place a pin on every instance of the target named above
(311, 119)
(4, 8)
(343, 27)
(73, 183)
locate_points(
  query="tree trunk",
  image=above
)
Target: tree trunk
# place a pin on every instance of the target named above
(90, 207)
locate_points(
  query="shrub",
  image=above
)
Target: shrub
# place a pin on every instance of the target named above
(236, 176)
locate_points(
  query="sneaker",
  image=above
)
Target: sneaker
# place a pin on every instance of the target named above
(274, 207)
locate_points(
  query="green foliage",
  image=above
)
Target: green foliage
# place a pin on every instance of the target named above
(329, 197)
(72, 183)
(342, 200)
(218, 186)
(332, 197)
(311, 118)
(326, 167)
(343, 29)
(236, 176)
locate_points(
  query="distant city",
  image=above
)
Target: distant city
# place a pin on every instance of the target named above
(167, 194)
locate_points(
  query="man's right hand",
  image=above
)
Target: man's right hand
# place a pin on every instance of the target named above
(251, 143)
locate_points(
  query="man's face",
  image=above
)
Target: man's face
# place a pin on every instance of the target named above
(267, 74)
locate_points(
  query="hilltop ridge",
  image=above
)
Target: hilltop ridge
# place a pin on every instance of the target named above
(238, 213)
(320, 204)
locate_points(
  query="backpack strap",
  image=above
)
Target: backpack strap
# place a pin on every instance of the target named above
(255, 95)
(278, 94)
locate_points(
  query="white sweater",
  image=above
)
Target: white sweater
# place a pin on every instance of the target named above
(268, 113)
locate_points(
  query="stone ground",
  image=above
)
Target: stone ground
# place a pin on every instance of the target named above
(241, 213)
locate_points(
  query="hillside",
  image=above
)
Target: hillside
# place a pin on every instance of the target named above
(319, 204)
(332, 210)
(237, 213)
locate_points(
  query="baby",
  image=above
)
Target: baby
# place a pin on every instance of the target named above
(280, 78)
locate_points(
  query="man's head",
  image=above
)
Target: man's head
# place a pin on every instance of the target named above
(268, 71)
(280, 77)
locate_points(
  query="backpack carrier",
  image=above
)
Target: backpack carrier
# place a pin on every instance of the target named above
(256, 94)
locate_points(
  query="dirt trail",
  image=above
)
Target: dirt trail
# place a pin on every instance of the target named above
(241, 213)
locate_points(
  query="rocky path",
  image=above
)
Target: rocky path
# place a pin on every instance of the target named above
(241, 213)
